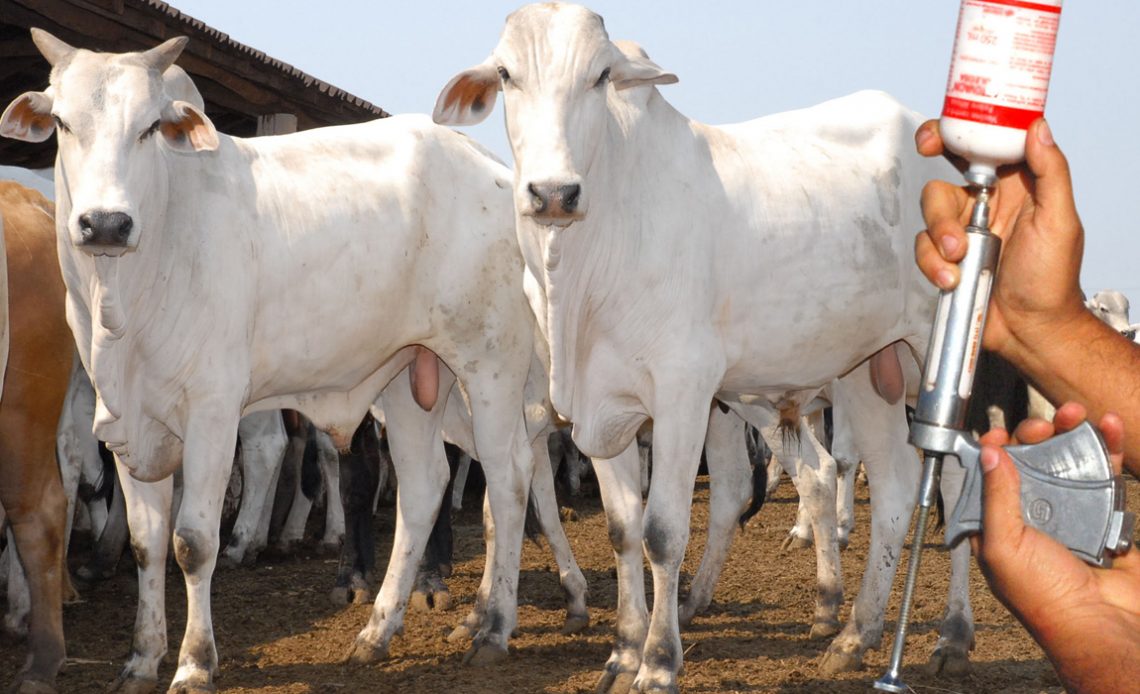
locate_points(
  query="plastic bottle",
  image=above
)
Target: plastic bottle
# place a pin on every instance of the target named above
(999, 78)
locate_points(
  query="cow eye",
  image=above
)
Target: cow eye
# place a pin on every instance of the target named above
(603, 78)
(59, 124)
(150, 131)
(506, 76)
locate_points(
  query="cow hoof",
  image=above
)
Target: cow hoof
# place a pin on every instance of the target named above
(31, 686)
(419, 602)
(229, 560)
(835, 661)
(575, 623)
(129, 684)
(460, 633)
(615, 682)
(91, 575)
(949, 661)
(824, 629)
(688, 612)
(329, 549)
(843, 542)
(793, 541)
(364, 653)
(339, 596)
(441, 600)
(485, 654)
(656, 689)
(361, 596)
(445, 570)
(191, 689)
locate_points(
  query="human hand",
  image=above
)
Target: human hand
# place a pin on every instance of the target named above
(1037, 290)
(1075, 611)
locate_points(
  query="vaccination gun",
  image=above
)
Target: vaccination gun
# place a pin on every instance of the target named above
(1068, 487)
(999, 78)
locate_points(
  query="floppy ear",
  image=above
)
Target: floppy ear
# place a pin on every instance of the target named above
(186, 129)
(28, 118)
(468, 97)
(637, 70)
(54, 50)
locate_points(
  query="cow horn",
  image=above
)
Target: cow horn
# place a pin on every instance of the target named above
(163, 55)
(53, 49)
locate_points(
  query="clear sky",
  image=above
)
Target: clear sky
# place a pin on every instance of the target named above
(740, 60)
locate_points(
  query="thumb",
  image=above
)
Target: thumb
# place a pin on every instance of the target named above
(1002, 524)
(1053, 194)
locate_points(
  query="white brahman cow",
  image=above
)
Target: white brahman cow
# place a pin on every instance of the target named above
(185, 253)
(753, 263)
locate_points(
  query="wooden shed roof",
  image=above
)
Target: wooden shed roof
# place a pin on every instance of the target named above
(238, 83)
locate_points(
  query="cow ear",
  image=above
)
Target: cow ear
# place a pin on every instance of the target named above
(53, 50)
(186, 129)
(636, 70)
(468, 97)
(28, 118)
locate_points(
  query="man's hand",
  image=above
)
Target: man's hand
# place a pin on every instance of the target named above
(1037, 291)
(1081, 615)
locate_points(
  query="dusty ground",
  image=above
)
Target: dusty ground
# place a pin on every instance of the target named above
(277, 631)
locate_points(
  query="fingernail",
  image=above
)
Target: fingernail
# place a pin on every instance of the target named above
(949, 245)
(989, 458)
(944, 279)
(922, 137)
(1044, 134)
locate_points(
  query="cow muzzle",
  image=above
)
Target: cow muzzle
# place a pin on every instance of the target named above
(554, 203)
(105, 233)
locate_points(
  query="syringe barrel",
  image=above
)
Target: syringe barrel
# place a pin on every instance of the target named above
(956, 338)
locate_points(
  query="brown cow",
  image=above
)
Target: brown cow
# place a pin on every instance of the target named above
(39, 361)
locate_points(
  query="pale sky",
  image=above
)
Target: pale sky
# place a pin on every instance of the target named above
(741, 60)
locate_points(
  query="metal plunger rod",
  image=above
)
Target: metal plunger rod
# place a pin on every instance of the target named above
(942, 401)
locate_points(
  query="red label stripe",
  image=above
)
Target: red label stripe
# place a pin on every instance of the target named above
(1055, 9)
(991, 114)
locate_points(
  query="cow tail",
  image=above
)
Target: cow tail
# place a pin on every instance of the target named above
(759, 490)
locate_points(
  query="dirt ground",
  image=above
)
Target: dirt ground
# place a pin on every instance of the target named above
(278, 632)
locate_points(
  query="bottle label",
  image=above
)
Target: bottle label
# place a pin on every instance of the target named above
(1003, 55)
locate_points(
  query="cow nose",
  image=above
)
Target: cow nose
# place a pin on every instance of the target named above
(101, 228)
(554, 199)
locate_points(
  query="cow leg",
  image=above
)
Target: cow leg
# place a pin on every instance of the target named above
(263, 444)
(293, 530)
(459, 484)
(880, 432)
(416, 448)
(430, 592)
(619, 482)
(508, 464)
(32, 495)
(679, 433)
(951, 656)
(148, 514)
(815, 481)
(19, 597)
(360, 481)
(846, 456)
(113, 539)
(334, 509)
(206, 466)
(569, 575)
(730, 490)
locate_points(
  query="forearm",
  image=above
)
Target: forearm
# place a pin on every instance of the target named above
(1086, 361)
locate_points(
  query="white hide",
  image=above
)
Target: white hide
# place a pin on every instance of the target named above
(754, 263)
(184, 322)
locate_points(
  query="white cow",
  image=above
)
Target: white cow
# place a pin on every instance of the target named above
(753, 263)
(186, 251)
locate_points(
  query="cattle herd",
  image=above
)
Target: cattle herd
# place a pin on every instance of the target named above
(635, 269)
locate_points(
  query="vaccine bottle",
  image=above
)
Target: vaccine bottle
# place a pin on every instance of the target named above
(999, 78)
